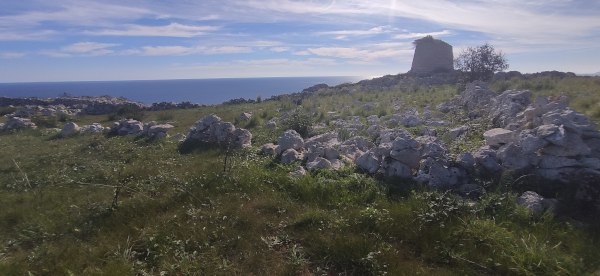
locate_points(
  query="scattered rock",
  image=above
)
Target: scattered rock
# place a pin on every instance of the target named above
(290, 156)
(245, 116)
(290, 140)
(69, 129)
(319, 163)
(269, 149)
(298, 172)
(534, 202)
(368, 162)
(212, 130)
(498, 136)
(271, 124)
(128, 127)
(457, 132)
(94, 128)
(159, 131)
(18, 123)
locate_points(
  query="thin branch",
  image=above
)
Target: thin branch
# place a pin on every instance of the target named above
(23, 174)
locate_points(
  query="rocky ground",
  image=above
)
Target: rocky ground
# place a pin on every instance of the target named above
(542, 139)
(371, 178)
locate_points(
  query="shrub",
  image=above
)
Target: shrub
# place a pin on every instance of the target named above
(480, 63)
(45, 121)
(128, 112)
(300, 121)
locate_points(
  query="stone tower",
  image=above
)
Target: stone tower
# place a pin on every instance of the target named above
(432, 56)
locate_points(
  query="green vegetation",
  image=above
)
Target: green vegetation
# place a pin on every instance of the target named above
(481, 62)
(99, 205)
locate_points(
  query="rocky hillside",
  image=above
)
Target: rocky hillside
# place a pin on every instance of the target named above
(396, 175)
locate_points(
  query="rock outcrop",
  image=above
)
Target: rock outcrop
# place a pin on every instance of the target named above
(69, 105)
(212, 130)
(135, 127)
(18, 123)
(432, 56)
(69, 129)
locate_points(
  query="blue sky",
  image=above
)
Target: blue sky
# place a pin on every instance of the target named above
(66, 40)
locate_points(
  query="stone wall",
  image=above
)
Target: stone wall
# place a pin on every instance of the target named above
(432, 56)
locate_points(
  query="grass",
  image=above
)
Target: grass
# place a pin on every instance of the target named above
(182, 214)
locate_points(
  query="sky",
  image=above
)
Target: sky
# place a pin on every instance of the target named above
(74, 40)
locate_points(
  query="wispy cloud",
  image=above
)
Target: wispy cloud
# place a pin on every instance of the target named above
(343, 34)
(280, 49)
(357, 53)
(85, 48)
(184, 51)
(21, 35)
(171, 30)
(419, 35)
(11, 55)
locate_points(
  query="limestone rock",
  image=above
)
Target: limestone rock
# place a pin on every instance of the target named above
(457, 132)
(506, 106)
(298, 172)
(555, 162)
(395, 168)
(211, 130)
(271, 124)
(532, 202)
(245, 116)
(159, 131)
(318, 164)
(242, 137)
(290, 139)
(477, 95)
(269, 149)
(18, 123)
(406, 150)
(69, 129)
(466, 161)
(513, 158)
(498, 136)
(411, 121)
(94, 128)
(368, 162)
(128, 127)
(290, 156)
(486, 159)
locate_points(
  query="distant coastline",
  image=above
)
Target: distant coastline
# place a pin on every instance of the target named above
(201, 91)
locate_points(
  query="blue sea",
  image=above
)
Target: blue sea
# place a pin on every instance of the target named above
(200, 91)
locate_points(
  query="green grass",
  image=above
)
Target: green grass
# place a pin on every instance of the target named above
(182, 214)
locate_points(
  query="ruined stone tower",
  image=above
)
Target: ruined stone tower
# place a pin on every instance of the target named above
(432, 56)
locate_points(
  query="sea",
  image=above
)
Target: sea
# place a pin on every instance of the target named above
(200, 91)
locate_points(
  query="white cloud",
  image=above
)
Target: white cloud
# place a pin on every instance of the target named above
(74, 12)
(86, 48)
(11, 55)
(524, 21)
(420, 35)
(280, 49)
(286, 62)
(183, 51)
(171, 30)
(359, 54)
(19, 35)
(160, 51)
(343, 34)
